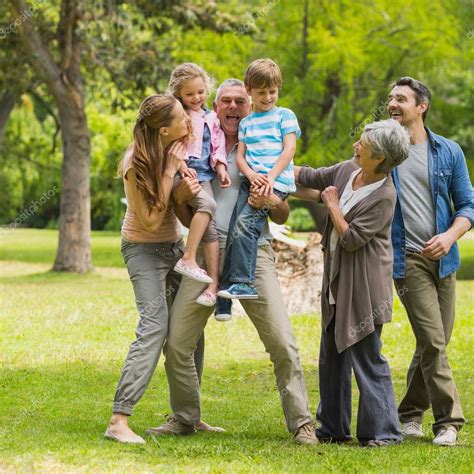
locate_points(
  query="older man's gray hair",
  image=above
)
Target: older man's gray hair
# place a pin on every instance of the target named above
(390, 140)
(232, 82)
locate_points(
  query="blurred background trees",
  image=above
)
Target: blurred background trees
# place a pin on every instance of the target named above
(338, 59)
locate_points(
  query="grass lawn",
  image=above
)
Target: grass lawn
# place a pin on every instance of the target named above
(63, 340)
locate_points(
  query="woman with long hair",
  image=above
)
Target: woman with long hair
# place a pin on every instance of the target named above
(151, 246)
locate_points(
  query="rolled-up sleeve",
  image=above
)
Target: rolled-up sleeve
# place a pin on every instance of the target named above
(461, 188)
(365, 226)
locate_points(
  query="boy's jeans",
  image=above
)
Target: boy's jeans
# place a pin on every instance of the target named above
(245, 229)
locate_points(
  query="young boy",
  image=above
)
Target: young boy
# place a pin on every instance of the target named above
(267, 143)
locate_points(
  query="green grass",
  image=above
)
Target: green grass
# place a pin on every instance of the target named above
(39, 246)
(63, 340)
(466, 249)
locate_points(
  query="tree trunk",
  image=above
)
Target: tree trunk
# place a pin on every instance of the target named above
(74, 253)
(65, 84)
(7, 102)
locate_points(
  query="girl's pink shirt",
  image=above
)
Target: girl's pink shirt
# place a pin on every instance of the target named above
(198, 120)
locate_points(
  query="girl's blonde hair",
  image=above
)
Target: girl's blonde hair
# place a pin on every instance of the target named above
(187, 72)
(148, 160)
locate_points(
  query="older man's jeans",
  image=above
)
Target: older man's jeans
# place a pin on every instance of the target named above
(245, 228)
(377, 418)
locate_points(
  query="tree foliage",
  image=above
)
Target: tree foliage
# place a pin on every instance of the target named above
(338, 59)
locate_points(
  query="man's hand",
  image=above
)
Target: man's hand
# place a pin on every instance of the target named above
(438, 246)
(330, 197)
(258, 201)
(186, 189)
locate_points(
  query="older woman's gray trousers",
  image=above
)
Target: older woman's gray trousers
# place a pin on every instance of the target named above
(155, 284)
(377, 418)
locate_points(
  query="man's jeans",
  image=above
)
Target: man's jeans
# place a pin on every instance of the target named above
(245, 229)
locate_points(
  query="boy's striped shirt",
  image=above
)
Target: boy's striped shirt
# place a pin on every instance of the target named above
(262, 133)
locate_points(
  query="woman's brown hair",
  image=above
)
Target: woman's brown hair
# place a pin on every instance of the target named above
(148, 157)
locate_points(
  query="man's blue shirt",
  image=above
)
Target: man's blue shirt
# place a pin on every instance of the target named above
(450, 188)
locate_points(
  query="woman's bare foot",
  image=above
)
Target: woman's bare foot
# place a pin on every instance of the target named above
(118, 430)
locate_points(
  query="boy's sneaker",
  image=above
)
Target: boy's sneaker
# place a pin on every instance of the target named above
(239, 291)
(223, 317)
(446, 437)
(412, 428)
(223, 311)
(171, 427)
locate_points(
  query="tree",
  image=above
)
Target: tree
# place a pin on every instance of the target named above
(57, 58)
(65, 83)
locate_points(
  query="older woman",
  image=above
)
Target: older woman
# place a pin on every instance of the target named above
(356, 297)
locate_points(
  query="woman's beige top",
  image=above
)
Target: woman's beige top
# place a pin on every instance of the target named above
(133, 230)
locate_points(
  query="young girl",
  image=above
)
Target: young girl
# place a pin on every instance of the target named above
(206, 160)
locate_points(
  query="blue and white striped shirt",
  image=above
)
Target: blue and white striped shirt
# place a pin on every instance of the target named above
(262, 133)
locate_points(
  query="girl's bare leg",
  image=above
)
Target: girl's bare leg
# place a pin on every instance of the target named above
(211, 257)
(198, 226)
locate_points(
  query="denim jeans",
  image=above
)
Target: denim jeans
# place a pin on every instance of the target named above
(377, 417)
(245, 228)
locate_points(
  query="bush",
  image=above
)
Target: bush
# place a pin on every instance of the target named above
(300, 220)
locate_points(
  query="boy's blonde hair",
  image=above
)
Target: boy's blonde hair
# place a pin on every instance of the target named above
(187, 72)
(263, 73)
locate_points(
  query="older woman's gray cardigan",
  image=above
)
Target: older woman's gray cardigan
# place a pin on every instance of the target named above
(361, 277)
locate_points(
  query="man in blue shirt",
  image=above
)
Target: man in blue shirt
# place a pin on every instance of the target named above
(430, 183)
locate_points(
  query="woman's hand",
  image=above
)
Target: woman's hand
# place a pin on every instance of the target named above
(330, 197)
(175, 156)
(187, 172)
(185, 190)
(223, 176)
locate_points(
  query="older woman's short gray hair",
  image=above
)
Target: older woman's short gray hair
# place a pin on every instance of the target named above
(390, 140)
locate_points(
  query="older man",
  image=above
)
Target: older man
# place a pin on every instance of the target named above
(430, 183)
(268, 313)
